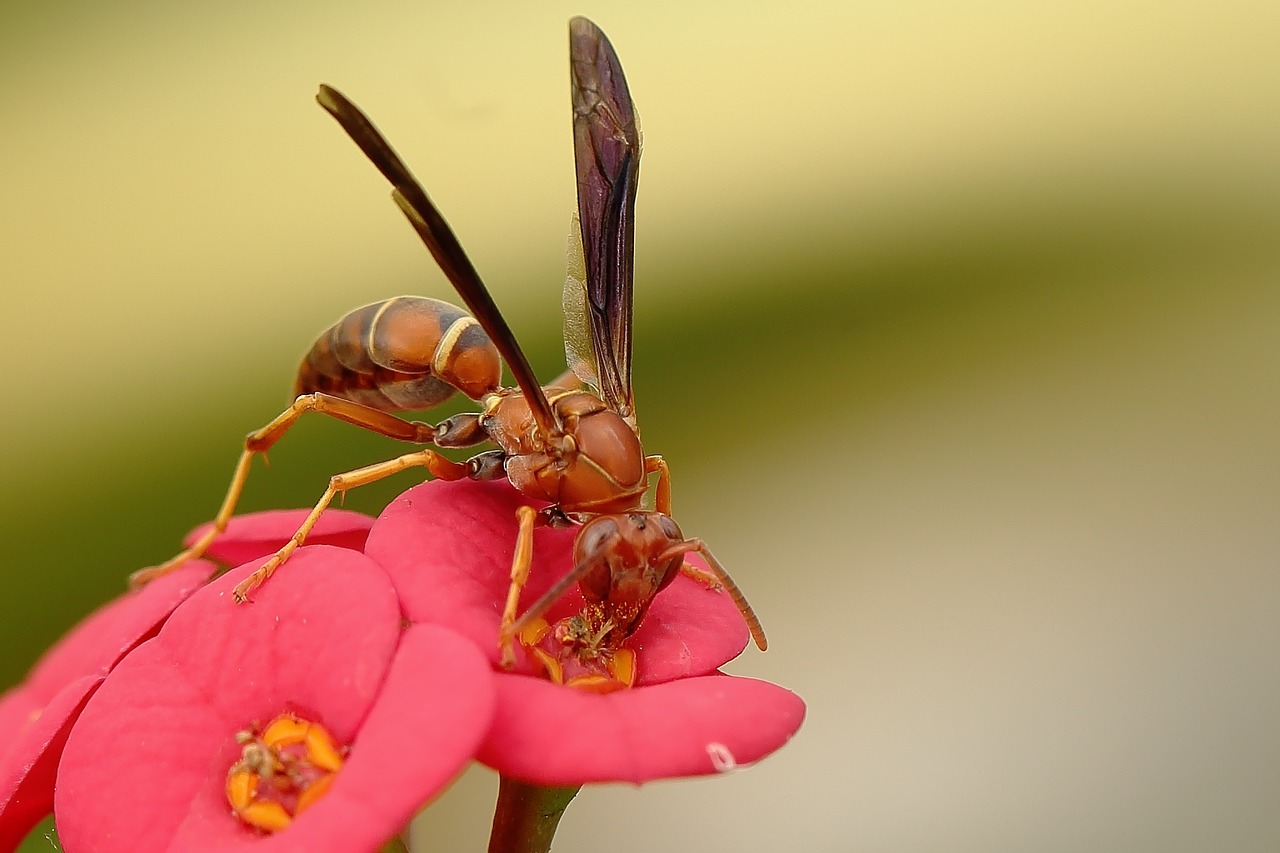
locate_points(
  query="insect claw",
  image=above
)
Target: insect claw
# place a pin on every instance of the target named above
(508, 656)
(255, 580)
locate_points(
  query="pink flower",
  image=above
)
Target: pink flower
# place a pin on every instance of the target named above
(37, 715)
(448, 546)
(312, 718)
(257, 535)
(382, 718)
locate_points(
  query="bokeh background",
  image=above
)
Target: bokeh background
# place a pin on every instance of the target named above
(957, 323)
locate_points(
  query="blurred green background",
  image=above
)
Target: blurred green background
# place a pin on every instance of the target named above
(957, 323)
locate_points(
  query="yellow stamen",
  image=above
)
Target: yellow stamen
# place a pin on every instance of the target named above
(595, 684)
(265, 815)
(321, 749)
(285, 730)
(623, 666)
(533, 633)
(242, 787)
(309, 797)
(282, 771)
(553, 667)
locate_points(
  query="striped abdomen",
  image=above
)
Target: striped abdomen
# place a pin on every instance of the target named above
(409, 352)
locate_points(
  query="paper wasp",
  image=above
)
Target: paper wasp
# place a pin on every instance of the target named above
(577, 450)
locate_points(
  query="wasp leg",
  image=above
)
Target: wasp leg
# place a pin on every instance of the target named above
(662, 500)
(490, 465)
(260, 441)
(520, 561)
(706, 577)
(549, 598)
(439, 466)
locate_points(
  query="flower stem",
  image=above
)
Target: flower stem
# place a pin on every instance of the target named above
(526, 816)
(395, 845)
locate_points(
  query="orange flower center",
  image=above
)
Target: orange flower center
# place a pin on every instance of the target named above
(581, 652)
(282, 771)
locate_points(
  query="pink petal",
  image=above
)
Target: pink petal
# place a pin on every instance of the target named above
(30, 763)
(104, 636)
(152, 748)
(36, 716)
(448, 548)
(430, 717)
(552, 735)
(258, 535)
(19, 707)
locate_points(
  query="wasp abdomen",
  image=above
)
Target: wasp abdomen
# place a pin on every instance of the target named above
(409, 352)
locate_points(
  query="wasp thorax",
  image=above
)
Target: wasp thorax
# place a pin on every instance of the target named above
(595, 464)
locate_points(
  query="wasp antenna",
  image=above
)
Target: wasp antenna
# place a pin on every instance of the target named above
(551, 596)
(443, 244)
(365, 135)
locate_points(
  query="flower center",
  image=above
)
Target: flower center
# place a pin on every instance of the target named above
(283, 770)
(582, 652)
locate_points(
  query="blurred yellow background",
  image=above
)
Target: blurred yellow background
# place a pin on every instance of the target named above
(957, 323)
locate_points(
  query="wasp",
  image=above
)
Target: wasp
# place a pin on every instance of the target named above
(573, 445)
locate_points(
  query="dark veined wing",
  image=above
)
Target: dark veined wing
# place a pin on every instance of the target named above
(439, 238)
(606, 146)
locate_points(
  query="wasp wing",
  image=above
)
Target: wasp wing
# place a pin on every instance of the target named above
(606, 145)
(579, 350)
(440, 240)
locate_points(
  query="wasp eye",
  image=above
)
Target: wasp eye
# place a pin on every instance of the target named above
(669, 527)
(596, 534)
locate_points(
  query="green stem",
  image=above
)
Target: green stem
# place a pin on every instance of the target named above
(395, 845)
(526, 816)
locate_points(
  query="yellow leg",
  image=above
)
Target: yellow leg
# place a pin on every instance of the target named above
(520, 562)
(260, 441)
(441, 467)
(662, 500)
(197, 549)
(707, 578)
